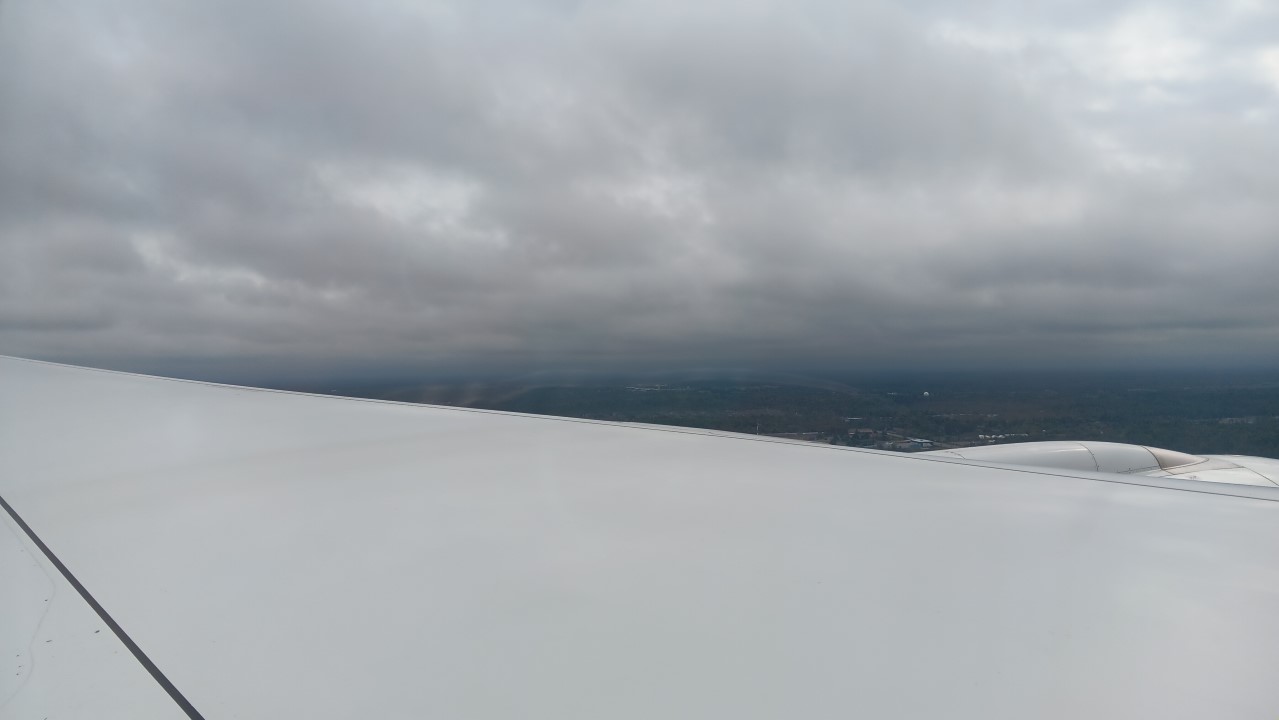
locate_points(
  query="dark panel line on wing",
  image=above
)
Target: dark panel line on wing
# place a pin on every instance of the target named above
(140, 656)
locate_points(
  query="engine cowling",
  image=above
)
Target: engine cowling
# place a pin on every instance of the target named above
(1125, 459)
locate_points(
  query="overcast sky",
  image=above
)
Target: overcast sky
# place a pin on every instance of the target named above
(512, 185)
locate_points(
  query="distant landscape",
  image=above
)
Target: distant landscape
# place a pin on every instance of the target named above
(1199, 414)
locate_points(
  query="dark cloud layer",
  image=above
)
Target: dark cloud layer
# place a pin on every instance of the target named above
(507, 186)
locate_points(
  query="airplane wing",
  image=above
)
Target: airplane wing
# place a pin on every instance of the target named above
(182, 549)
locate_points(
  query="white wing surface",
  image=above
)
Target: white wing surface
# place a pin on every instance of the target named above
(280, 555)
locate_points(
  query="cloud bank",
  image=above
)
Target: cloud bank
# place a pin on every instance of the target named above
(508, 186)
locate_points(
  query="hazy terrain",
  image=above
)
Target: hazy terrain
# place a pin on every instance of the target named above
(1192, 413)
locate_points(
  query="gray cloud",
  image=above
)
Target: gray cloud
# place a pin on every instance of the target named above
(509, 186)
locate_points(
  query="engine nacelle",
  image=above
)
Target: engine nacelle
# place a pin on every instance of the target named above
(1121, 458)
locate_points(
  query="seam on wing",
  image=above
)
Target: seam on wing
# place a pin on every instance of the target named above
(1096, 465)
(133, 648)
